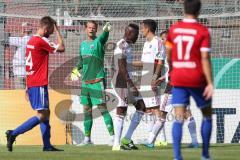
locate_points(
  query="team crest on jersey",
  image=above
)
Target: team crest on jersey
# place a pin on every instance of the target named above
(91, 46)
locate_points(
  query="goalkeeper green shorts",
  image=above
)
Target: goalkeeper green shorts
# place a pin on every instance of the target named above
(93, 93)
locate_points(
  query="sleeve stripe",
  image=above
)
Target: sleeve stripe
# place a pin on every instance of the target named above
(205, 49)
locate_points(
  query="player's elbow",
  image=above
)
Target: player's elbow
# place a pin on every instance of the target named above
(61, 48)
(205, 55)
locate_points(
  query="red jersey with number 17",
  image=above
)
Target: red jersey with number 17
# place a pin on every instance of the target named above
(188, 39)
(37, 55)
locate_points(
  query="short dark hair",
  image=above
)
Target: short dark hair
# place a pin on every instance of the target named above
(151, 24)
(134, 26)
(192, 7)
(47, 21)
(163, 32)
(93, 22)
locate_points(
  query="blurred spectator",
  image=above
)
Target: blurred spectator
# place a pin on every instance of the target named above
(74, 11)
(19, 56)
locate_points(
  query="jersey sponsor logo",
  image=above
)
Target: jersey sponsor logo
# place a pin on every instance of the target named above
(92, 46)
(185, 31)
(86, 56)
(184, 64)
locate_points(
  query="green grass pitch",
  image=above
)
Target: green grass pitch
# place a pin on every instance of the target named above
(218, 152)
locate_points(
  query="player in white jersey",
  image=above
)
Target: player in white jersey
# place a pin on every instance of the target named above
(153, 51)
(122, 81)
(166, 106)
(19, 57)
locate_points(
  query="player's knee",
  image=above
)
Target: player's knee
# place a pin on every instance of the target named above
(103, 109)
(207, 111)
(43, 115)
(87, 109)
(122, 111)
(160, 114)
(149, 110)
(139, 105)
(179, 117)
(163, 115)
(187, 114)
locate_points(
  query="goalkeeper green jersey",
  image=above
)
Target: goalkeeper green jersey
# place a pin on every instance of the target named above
(91, 58)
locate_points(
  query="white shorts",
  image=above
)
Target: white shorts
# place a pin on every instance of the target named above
(150, 98)
(122, 96)
(166, 100)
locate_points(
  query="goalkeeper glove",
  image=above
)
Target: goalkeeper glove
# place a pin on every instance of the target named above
(107, 27)
(75, 75)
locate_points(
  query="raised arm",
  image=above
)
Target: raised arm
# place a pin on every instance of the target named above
(60, 43)
(104, 36)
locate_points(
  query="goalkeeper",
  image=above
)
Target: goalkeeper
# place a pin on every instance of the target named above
(91, 70)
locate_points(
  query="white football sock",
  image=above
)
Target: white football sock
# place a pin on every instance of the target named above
(150, 121)
(87, 139)
(163, 135)
(156, 129)
(137, 116)
(192, 129)
(118, 127)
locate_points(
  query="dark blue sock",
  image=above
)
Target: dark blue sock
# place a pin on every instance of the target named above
(45, 130)
(26, 126)
(206, 130)
(177, 137)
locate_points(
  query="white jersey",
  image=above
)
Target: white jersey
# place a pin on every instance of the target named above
(20, 43)
(19, 57)
(123, 50)
(153, 50)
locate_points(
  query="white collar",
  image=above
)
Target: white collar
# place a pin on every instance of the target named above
(36, 35)
(188, 20)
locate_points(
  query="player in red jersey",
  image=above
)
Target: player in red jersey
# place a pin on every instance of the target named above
(188, 47)
(37, 56)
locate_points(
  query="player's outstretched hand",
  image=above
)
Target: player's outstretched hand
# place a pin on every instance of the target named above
(107, 27)
(75, 75)
(208, 91)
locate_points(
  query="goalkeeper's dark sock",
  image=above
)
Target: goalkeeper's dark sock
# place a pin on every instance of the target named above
(177, 136)
(46, 133)
(206, 130)
(108, 121)
(88, 123)
(26, 126)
